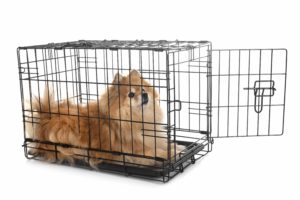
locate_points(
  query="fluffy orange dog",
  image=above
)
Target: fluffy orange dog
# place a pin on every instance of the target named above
(125, 119)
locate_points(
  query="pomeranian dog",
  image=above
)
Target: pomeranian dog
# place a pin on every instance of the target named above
(123, 125)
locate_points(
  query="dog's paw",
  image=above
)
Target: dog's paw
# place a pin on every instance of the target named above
(180, 149)
(94, 164)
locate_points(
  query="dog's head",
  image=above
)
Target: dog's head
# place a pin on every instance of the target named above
(132, 97)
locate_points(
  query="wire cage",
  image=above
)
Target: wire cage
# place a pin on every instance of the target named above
(145, 108)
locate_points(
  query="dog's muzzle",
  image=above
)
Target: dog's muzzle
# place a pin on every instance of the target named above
(145, 98)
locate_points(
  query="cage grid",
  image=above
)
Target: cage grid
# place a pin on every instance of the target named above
(204, 94)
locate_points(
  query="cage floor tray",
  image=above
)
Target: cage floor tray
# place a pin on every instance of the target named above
(192, 149)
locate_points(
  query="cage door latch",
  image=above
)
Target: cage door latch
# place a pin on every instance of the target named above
(176, 108)
(262, 88)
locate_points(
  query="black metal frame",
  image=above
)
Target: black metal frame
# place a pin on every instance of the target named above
(181, 71)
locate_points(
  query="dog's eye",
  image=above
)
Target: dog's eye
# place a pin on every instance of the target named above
(131, 94)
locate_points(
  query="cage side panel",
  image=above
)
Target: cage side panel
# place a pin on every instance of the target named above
(248, 92)
(77, 78)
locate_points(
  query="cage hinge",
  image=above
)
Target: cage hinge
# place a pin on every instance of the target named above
(262, 88)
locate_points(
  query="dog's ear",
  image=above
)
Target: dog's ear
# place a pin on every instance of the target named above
(134, 72)
(117, 79)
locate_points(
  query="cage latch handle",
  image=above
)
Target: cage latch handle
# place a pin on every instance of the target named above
(175, 107)
(262, 88)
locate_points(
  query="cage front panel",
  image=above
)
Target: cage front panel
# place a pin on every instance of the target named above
(75, 78)
(248, 90)
(189, 92)
(188, 110)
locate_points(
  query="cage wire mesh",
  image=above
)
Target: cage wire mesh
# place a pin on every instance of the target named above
(168, 100)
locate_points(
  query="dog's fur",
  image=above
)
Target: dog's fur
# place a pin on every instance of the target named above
(113, 123)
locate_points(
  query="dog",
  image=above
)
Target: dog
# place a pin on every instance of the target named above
(124, 125)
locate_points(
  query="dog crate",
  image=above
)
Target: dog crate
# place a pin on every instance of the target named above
(204, 94)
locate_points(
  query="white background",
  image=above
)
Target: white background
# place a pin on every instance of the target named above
(237, 168)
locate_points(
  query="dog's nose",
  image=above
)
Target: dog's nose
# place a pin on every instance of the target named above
(145, 98)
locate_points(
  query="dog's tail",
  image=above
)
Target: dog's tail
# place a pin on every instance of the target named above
(40, 108)
(44, 105)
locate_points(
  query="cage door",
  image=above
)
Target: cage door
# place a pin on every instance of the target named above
(248, 92)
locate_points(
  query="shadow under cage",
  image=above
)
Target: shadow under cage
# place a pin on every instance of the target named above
(145, 108)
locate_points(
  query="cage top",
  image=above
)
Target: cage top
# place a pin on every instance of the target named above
(159, 45)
